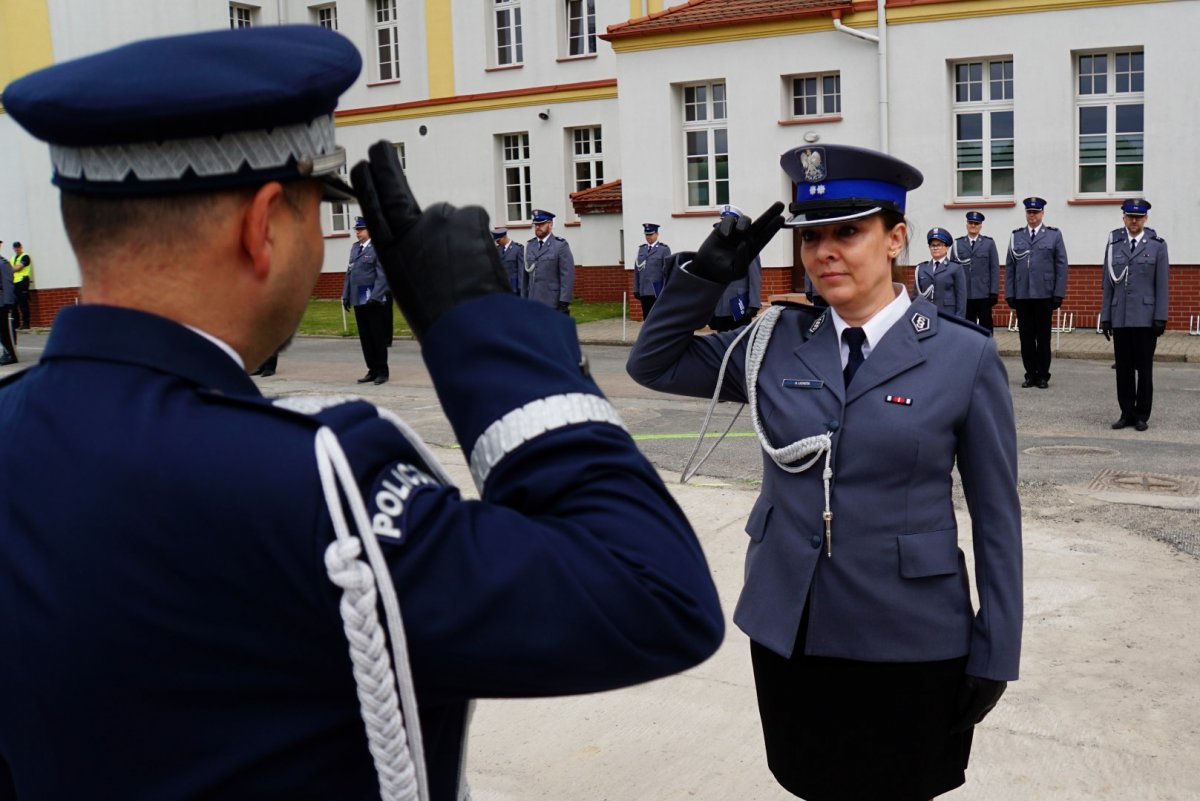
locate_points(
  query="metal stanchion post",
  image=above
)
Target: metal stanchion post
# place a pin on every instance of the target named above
(624, 313)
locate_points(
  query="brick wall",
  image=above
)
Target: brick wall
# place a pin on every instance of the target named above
(45, 303)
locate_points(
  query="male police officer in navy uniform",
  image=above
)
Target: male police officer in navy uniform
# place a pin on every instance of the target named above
(1133, 311)
(976, 252)
(1035, 283)
(366, 290)
(649, 268)
(549, 265)
(188, 608)
(512, 257)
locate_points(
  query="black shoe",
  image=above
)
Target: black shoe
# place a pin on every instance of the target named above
(367, 379)
(259, 371)
(1043, 384)
(1122, 422)
(380, 379)
(1141, 425)
(7, 359)
(266, 373)
(1027, 383)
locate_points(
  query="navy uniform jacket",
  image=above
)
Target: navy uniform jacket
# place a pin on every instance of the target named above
(648, 269)
(365, 280)
(981, 264)
(168, 628)
(895, 589)
(1037, 271)
(549, 271)
(1141, 296)
(512, 256)
(949, 286)
(7, 294)
(748, 288)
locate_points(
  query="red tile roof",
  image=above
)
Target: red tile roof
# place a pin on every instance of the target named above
(602, 199)
(712, 13)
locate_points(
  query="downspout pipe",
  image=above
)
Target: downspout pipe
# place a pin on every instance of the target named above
(880, 42)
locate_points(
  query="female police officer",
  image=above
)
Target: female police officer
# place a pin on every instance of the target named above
(871, 665)
(940, 280)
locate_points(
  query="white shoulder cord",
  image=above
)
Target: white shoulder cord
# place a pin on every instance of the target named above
(926, 293)
(1116, 279)
(760, 331)
(1012, 238)
(396, 747)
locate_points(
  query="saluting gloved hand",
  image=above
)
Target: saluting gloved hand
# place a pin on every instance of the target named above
(1160, 327)
(433, 259)
(1056, 302)
(992, 300)
(1106, 329)
(727, 252)
(976, 697)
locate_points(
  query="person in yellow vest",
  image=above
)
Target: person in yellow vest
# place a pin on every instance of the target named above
(22, 266)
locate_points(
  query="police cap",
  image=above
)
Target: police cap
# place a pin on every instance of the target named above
(1034, 203)
(193, 113)
(541, 215)
(1136, 207)
(939, 235)
(359, 223)
(650, 228)
(499, 232)
(974, 216)
(841, 182)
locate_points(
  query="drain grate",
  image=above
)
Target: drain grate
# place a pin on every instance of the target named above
(1145, 482)
(1070, 450)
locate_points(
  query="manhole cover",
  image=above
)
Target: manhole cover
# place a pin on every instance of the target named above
(1070, 450)
(1145, 482)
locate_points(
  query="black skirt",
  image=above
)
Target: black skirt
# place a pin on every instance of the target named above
(844, 730)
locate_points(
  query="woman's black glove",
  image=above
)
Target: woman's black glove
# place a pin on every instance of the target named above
(976, 697)
(433, 259)
(727, 252)
(1106, 329)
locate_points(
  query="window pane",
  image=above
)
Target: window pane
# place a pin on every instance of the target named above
(697, 143)
(718, 92)
(1002, 125)
(1002, 152)
(720, 140)
(1093, 120)
(1129, 118)
(1002, 182)
(1138, 82)
(1091, 179)
(722, 168)
(970, 184)
(970, 155)
(1129, 178)
(697, 169)
(810, 106)
(1130, 148)
(698, 194)
(1093, 150)
(970, 126)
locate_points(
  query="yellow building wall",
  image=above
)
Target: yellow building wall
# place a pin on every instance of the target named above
(24, 38)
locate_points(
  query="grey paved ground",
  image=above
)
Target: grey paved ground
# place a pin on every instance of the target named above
(1108, 705)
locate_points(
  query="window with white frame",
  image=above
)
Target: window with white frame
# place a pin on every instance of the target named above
(587, 157)
(817, 95)
(581, 27)
(705, 145)
(340, 215)
(326, 16)
(241, 16)
(518, 185)
(509, 49)
(387, 40)
(1110, 99)
(984, 144)
(400, 155)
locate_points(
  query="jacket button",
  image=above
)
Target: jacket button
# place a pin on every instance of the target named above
(815, 541)
(833, 425)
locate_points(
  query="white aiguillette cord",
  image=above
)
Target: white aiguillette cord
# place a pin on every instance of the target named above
(395, 747)
(760, 331)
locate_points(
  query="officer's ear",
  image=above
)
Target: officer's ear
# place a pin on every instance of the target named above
(257, 233)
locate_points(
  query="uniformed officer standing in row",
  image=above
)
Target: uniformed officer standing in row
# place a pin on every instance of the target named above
(1133, 310)
(512, 257)
(940, 280)
(549, 265)
(1035, 283)
(8, 298)
(976, 252)
(188, 610)
(649, 268)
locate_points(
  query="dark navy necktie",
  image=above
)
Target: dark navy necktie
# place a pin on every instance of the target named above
(855, 337)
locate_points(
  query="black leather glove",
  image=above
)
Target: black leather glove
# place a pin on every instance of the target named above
(1009, 301)
(433, 259)
(346, 305)
(1056, 302)
(976, 697)
(1160, 327)
(727, 252)
(992, 300)
(564, 307)
(1106, 329)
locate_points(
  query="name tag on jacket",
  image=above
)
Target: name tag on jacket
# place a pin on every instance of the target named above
(802, 383)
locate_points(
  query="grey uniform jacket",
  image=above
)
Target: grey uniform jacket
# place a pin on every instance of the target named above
(7, 294)
(949, 284)
(512, 256)
(648, 269)
(365, 280)
(1141, 296)
(981, 264)
(1037, 270)
(932, 393)
(750, 286)
(549, 276)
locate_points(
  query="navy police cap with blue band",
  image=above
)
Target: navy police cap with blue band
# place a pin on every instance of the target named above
(1136, 207)
(193, 113)
(842, 182)
(939, 235)
(975, 217)
(1034, 203)
(541, 215)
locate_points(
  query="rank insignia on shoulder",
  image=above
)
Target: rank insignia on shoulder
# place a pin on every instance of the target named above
(899, 400)
(920, 322)
(812, 329)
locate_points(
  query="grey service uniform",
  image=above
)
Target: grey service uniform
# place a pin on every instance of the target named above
(549, 275)
(942, 283)
(1134, 297)
(981, 264)
(1035, 273)
(512, 256)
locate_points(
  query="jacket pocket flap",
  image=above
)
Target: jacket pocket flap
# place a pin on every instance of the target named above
(756, 526)
(930, 553)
